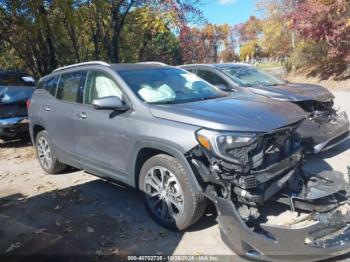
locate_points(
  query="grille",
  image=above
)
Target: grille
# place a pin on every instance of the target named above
(249, 182)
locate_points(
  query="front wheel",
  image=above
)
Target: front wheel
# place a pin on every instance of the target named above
(168, 195)
(46, 155)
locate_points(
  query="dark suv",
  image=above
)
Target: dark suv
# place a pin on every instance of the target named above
(182, 141)
(16, 88)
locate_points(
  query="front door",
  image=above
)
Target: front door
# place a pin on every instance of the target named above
(102, 141)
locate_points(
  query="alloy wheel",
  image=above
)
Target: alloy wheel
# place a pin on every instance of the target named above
(164, 193)
(44, 153)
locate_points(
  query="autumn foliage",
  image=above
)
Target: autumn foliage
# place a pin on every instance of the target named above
(40, 35)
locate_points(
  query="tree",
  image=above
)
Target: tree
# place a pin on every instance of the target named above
(205, 45)
(45, 34)
(276, 35)
(148, 37)
(326, 21)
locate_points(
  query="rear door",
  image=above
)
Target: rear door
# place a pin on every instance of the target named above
(102, 142)
(61, 116)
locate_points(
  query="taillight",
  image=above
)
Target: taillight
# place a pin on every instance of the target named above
(28, 103)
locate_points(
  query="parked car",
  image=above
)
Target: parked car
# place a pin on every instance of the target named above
(182, 141)
(326, 126)
(16, 88)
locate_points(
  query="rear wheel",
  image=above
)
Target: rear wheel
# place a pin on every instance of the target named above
(46, 155)
(168, 195)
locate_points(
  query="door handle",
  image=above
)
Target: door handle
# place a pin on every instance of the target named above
(47, 108)
(83, 115)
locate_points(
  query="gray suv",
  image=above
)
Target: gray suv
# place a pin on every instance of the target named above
(183, 142)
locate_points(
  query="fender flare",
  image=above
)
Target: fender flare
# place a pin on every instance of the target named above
(167, 147)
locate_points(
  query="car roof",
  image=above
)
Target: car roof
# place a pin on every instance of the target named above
(99, 64)
(120, 67)
(219, 66)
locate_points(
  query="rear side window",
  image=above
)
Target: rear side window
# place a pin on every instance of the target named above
(69, 85)
(16, 80)
(211, 77)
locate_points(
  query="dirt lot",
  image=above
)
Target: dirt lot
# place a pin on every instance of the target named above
(78, 214)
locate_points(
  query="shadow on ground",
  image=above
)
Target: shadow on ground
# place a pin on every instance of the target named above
(16, 143)
(91, 219)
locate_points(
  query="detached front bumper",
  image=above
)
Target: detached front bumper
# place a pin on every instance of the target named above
(279, 243)
(311, 236)
(323, 135)
(11, 127)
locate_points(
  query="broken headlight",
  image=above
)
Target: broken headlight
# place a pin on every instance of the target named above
(227, 145)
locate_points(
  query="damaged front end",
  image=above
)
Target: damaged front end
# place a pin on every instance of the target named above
(326, 127)
(268, 207)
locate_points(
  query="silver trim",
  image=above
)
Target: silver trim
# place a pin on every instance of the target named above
(152, 63)
(82, 64)
(322, 146)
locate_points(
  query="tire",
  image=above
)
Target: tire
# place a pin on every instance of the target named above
(54, 166)
(189, 206)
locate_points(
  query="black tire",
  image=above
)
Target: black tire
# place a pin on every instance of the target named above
(55, 166)
(193, 204)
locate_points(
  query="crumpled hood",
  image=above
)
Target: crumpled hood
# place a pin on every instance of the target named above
(238, 112)
(294, 92)
(15, 93)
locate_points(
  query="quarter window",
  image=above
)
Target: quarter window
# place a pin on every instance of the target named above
(100, 85)
(69, 85)
(51, 85)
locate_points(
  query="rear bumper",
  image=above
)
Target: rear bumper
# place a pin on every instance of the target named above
(323, 136)
(11, 127)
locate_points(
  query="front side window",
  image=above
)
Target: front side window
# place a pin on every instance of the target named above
(69, 85)
(168, 85)
(211, 77)
(251, 77)
(99, 85)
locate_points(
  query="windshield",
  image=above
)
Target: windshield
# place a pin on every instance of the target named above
(252, 77)
(15, 80)
(168, 85)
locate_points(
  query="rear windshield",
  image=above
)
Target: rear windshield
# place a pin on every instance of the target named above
(168, 85)
(15, 80)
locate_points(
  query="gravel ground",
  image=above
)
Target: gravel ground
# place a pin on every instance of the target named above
(78, 214)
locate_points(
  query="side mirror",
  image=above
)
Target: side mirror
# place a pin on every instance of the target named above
(222, 87)
(110, 103)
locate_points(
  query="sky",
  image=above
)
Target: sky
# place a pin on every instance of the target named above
(228, 11)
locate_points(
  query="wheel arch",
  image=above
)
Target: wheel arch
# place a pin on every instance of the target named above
(37, 127)
(144, 151)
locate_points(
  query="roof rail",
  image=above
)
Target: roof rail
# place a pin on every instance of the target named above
(82, 64)
(152, 63)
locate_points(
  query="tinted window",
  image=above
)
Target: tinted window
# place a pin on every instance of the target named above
(211, 77)
(168, 85)
(16, 80)
(51, 85)
(69, 85)
(100, 85)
